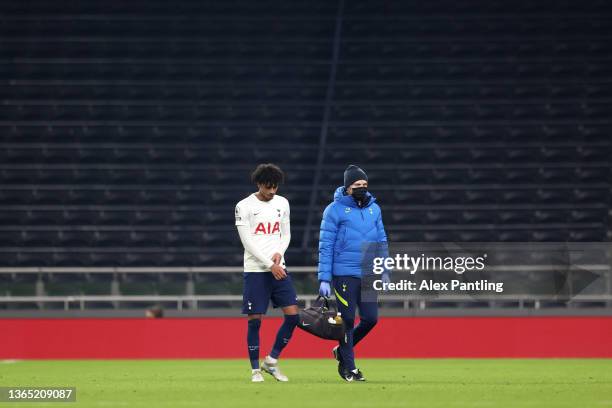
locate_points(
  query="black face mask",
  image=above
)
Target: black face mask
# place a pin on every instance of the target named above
(359, 193)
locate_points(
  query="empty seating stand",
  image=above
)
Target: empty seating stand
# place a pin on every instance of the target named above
(128, 130)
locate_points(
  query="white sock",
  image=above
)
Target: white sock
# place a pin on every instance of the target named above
(255, 370)
(354, 371)
(271, 360)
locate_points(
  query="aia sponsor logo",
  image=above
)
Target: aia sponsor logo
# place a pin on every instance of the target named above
(268, 228)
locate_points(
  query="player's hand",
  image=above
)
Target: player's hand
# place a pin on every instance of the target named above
(276, 258)
(278, 272)
(325, 289)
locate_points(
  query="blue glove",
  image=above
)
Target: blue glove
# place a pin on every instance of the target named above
(325, 289)
(386, 278)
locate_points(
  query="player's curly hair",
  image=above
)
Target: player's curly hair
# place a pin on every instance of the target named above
(268, 174)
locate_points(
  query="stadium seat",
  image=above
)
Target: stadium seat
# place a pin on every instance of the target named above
(141, 163)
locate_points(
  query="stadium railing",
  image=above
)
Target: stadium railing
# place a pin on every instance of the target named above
(398, 303)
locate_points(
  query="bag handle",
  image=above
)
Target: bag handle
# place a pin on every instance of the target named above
(325, 301)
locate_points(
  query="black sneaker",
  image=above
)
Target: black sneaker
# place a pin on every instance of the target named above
(345, 374)
(357, 375)
(341, 371)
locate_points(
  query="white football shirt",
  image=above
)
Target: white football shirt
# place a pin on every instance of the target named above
(268, 221)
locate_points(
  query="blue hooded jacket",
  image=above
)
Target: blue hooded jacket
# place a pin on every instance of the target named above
(345, 228)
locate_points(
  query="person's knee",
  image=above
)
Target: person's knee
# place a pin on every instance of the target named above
(368, 316)
(369, 322)
(290, 310)
(349, 323)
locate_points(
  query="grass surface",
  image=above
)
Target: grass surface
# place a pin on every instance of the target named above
(315, 383)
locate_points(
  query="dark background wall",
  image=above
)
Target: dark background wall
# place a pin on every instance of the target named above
(128, 129)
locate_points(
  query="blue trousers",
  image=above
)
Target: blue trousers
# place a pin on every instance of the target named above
(347, 290)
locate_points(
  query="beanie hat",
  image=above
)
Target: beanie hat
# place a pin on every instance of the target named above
(352, 174)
